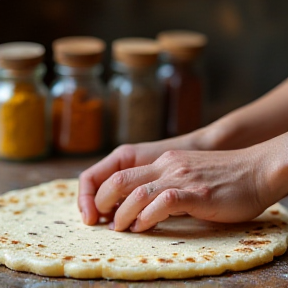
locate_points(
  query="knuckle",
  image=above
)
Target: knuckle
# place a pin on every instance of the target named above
(205, 194)
(171, 198)
(168, 157)
(118, 179)
(140, 194)
(125, 150)
(182, 171)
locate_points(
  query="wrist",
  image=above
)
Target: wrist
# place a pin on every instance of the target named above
(273, 182)
(215, 136)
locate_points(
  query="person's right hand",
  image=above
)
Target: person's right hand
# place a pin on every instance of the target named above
(124, 157)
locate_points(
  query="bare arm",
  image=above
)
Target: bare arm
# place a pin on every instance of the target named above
(256, 122)
(126, 166)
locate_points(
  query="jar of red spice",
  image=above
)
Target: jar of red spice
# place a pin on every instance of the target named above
(78, 95)
(135, 94)
(181, 80)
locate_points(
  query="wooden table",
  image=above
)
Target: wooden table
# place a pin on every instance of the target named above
(20, 175)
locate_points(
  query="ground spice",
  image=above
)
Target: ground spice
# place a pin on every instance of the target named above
(183, 101)
(22, 130)
(77, 122)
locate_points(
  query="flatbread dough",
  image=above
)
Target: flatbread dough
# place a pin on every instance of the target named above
(41, 232)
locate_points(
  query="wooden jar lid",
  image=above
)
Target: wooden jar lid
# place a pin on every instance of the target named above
(21, 55)
(136, 52)
(182, 44)
(78, 51)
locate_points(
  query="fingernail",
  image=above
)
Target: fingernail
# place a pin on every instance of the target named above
(111, 225)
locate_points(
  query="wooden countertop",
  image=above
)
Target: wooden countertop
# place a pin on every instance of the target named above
(21, 175)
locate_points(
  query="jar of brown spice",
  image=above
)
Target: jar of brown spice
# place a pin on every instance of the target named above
(78, 95)
(135, 94)
(182, 80)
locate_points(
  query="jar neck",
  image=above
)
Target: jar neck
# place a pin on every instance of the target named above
(79, 72)
(122, 68)
(180, 64)
(30, 75)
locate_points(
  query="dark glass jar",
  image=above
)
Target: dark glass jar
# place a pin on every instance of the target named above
(78, 96)
(182, 84)
(24, 104)
(135, 95)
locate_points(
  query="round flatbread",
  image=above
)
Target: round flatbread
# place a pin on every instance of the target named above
(41, 232)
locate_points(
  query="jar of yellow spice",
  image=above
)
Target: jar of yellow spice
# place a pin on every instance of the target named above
(78, 95)
(24, 131)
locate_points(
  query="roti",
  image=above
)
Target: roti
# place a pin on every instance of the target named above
(41, 232)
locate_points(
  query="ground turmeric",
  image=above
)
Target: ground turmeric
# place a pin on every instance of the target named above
(22, 124)
(77, 122)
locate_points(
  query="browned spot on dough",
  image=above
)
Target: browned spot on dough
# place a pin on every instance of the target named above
(28, 245)
(41, 193)
(190, 259)
(59, 222)
(258, 228)
(17, 212)
(83, 260)
(164, 260)
(227, 256)
(259, 234)
(15, 242)
(72, 193)
(61, 185)
(41, 246)
(273, 226)
(207, 257)
(111, 260)
(61, 194)
(274, 212)
(254, 242)
(175, 254)
(13, 199)
(143, 260)
(96, 260)
(245, 250)
(68, 258)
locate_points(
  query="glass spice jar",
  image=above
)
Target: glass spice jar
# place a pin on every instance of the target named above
(24, 125)
(78, 95)
(181, 80)
(135, 94)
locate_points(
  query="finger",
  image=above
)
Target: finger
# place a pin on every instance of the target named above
(168, 202)
(135, 203)
(92, 178)
(121, 184)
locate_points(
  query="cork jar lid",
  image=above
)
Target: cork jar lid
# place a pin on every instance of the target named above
(136, 52)
(21, 55)
(182, 44)
(78, 51)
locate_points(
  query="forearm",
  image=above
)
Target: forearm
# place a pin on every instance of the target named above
(272, 169)
(256, 122)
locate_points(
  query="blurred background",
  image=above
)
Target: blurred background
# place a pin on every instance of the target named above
(246, 56)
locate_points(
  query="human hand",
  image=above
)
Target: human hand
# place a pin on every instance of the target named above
(123, 157)
(222, 186)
